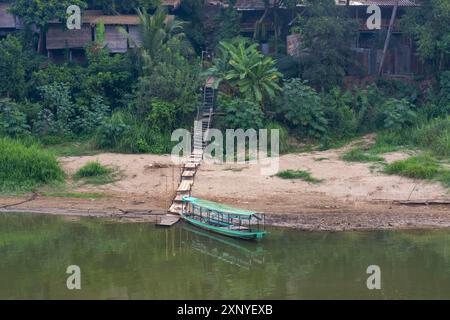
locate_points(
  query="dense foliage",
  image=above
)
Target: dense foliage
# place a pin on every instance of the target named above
(326, 34)
(246, 70)
(132, 102)
(430, 26)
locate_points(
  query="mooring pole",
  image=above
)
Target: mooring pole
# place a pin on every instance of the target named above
(388, 37)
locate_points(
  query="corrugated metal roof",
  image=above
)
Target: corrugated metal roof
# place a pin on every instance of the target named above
(250, 4)
(171, 3)
(109, 20)
(381, 3)
(259, 4)
(96, 16)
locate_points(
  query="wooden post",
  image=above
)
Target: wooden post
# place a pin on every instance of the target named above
(388, 37)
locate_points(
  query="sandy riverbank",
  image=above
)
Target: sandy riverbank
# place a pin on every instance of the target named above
(350, 196)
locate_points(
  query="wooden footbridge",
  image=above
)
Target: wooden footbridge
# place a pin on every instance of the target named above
(201, 127)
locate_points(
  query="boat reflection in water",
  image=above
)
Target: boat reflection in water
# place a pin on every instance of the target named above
(242, 254)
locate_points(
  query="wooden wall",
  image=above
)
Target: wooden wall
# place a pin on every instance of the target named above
(135, 35)
(114, 40)
(59, 37)
(7, 20)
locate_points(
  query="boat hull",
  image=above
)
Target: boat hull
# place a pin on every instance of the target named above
(246, 235)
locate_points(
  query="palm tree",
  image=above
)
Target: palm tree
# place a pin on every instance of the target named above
(241, 65)
(158, 32)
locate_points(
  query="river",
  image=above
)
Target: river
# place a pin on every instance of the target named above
(140, 261)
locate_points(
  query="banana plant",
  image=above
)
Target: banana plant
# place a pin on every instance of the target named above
(240, 65)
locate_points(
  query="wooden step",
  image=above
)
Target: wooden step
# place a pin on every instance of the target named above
(191, 165)
(178, 198)
(175, 208)
(185, 185)
(188, 173)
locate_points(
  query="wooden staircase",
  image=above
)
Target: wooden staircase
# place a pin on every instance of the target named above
(200, 130)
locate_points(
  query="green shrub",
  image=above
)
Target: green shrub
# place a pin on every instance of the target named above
(175, 80)
(341, 118)
(241, 114)
(398, 89)
(55, 118)
(162, 116)
(94, 172)
(433, 136)
(298, 174)
(12, 68)
(283, 136)
(398, 114)
(13, 122)
(92, 169)
(111, 132)
(420, 167)
(26, 167)
(300, 106)
(368, 107)
(444, 92)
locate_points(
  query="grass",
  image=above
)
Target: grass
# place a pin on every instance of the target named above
(298, 174)
(432, 136)
(75, 195)
(420, 167)
(26, 167)
(72, 149)
(360, 155)
(95, 173)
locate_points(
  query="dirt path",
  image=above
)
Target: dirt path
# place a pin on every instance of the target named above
(350, 196)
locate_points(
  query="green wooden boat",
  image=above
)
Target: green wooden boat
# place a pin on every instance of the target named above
(223, 219)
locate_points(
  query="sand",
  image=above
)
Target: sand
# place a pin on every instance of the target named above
(350, 195)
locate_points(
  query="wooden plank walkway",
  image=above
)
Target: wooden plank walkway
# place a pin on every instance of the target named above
(196, 157)
(185, 185)
(188, 174)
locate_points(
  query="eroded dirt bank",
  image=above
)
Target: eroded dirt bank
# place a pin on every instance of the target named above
(350, 195)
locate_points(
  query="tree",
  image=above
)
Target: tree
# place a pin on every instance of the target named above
(243, 67)
(12, 68)
(429, 24)
(41, 12)
(326, 33)
(272, 8)
(174, 79)
(158, 31)
(301, 108)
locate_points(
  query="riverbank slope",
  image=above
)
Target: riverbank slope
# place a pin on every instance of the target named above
(349, 195)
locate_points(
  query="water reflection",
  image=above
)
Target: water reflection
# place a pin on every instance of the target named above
(243, 254)
(140, 261)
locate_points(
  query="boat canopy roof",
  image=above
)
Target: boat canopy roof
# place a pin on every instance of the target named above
(213, 206)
